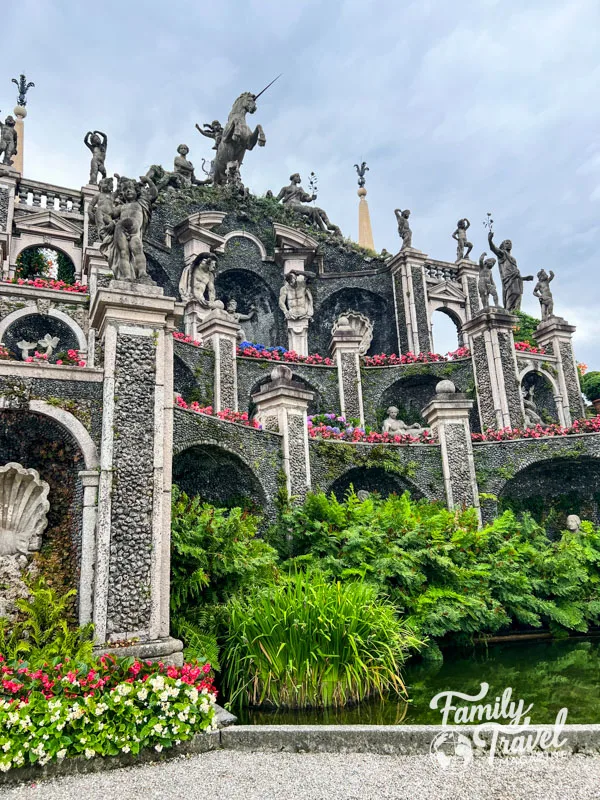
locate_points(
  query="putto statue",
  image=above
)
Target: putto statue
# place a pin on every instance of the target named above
(543, 292)
(295, 197)
(460, 234)
(295, 298)
(212, 130)
(512, 280)
(8, 140)
(404, 230)
(96, 142)
(198, 281)
(397, 427)
(101, 208)
(485, 284)
(122, 244)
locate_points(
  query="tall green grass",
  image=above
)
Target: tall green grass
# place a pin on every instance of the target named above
(308, 642)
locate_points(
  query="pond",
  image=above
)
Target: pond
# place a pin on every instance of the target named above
(549, 675)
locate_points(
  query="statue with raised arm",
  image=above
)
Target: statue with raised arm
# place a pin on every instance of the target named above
(460, 234)
(295, 298)
(212, 130)
(101, 208)
(8, 140)
(512, 280)
(543, 292)
(122, 244)
(485, 284)
(296, 198)
(404, 230)
(96, 142)
(239, 317)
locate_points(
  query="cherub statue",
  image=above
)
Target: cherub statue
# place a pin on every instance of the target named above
(532, 416)
(512, 280)
(101, 208)
(404, 230)
(96, 141)
(212, 130)
(8, 140)
(485, 284)
(122, 244)
(295, 197)
(460, 234)
(239, 317)
(397, 427)
(295, 298)
(543, 292)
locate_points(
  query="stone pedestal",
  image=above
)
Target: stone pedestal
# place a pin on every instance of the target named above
(219, 330)
(298, 335)
(410, 299)
(448, 414)
(365, 233)
(281, 406)
(345, 351)
(88, 192)
(490, 334)
(193, 316)
(132, 546)
(555, 335)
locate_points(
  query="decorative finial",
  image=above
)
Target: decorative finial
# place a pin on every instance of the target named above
(23, 87)
(361, 173)
(312, 185)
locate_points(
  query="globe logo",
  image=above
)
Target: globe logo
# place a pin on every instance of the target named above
(452, 751)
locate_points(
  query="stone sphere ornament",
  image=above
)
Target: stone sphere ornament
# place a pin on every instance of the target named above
(23, 509)
(445, 387)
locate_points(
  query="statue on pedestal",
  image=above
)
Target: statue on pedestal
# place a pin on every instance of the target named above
(543, 292)
(404, 230)
(485, 284)
(295, 197)
(8, 140)
(96, 142)
(397, 427)
(295, 298)
(460, 234)
(512, 280)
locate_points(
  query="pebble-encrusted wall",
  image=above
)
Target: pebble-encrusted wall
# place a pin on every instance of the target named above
(4, 204)
(193, 369)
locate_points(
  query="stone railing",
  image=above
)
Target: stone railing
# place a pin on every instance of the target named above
(439, 271)
(35, 195)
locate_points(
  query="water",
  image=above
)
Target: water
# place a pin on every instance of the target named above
(551, 675)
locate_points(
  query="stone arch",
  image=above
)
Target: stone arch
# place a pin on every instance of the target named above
(219, 474)
(53, 313)
(546, 394)
(410, 394)
(248, 288)
(373, 479)
(69, 250)
(372, 304)
(457, 316)
(246, 235)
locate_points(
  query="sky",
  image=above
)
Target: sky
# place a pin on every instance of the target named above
(458, 109)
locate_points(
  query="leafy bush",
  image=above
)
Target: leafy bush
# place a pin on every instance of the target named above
(310, 642)
(590, 385)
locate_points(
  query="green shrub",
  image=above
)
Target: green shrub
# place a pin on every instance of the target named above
(310, 642)
(590, 385)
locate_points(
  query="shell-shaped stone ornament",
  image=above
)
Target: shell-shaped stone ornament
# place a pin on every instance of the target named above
(359, 324)
(23, 509)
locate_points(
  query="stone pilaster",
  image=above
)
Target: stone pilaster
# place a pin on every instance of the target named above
(410, 300)
(8, 192)
(490, 334)
(448, 414)
(88, 192)
(298, 335)
(219, 330)
(131, 581)
(555, 335)
(345, 351)
(468, 274)
(89, 480)
(281, 406)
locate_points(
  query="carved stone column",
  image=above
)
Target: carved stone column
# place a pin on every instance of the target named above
(345, 350)
(281, 406)
(219, 331)
(410, 300)
(490, 334)
(132, 548)
(555, 335)
(448, 414)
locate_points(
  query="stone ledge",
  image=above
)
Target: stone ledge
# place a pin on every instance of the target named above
(55, 372)
(33, 293)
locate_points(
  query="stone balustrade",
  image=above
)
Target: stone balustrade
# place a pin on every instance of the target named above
(35, 195)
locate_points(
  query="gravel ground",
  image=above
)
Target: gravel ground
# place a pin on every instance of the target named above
(229, 775)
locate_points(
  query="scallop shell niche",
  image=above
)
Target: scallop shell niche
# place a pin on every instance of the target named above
(24, 508)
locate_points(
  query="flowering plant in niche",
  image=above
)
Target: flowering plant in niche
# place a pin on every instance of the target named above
(4, 354)
(253, 350)
(182, 337)
(387, 360)
(336, 426)
(227, 415)
(525, 347)
(591, 425)
(49, 283)
(71, 358)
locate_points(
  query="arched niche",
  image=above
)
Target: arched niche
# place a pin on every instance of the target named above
(372, 305)
(373, 479)
(26, 324)
(316, 406)
(218, 476)
(446, 330)
(410, 395)
(545, 390)
(249, 289)
(45, 261)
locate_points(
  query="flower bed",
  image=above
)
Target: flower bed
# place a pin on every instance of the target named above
(49, 283)
(181, 337)
(525, 347)
(252, 350)
(116, 706)
(4, 354)
(335, 426)
(538, 431)
(227, 415)
(385, 360)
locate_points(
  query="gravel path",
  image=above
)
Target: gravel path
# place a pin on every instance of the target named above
(233, 775)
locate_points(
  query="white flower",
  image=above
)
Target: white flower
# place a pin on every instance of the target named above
(89, 753)
(124, 689)
(158, 748)
(164, 696)
(6, 747)
(157, 683)
(126, 748)
(193, 694)
(142, 694)
(61, 754)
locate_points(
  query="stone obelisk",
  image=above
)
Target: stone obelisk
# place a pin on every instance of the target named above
(20, 113)
(365, 234)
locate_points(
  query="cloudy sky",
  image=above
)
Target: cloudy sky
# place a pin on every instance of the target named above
(458, 108)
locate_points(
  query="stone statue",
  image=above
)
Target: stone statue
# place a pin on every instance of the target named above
(295, 197)
(239, 317)
(544, 293)
(512, 280)
(234, 179)
(532, 416)
(404, 230)
(485, 284)
(396, 427)
(8, 140)
(25, 346)
(122, 244)
(460, 234)
(573, 523)
(213, 130)
(295, 298)
(101, 208)
(96, 142)
(49, 344)
(183, 168)
(182, 176)
(361, 173)
(198, 280)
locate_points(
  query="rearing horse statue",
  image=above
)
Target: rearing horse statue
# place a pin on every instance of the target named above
(237, 137)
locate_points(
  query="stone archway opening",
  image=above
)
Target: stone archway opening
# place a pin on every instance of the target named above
(373, 479)
(374, 306)
(39, 261)
(446, 330)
